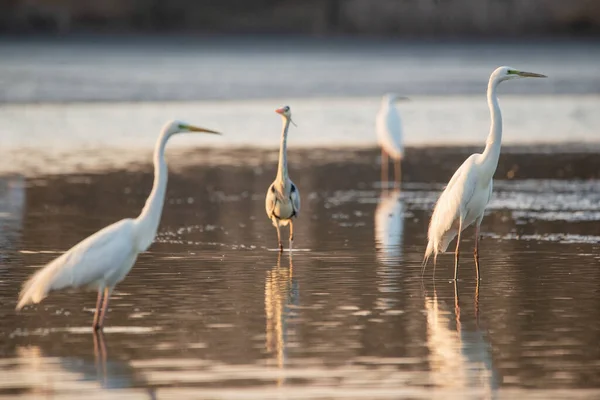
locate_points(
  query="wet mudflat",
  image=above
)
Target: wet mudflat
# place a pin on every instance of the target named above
(212, 312)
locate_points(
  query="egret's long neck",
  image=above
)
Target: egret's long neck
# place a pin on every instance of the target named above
(282, 172)
(148, 220)
(493, 143)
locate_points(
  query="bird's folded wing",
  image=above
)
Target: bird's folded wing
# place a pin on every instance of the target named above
(295, 198)
(92, 259)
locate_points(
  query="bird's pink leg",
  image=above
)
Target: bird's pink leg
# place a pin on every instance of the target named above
(95, 325)
(456, 254)
(384, 167)
(100, 355)
(107, 292)
(476, 253)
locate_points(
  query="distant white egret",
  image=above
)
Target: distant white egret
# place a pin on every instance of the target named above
(388, 126)
(104, 259)
(464, 200)
(283, 198)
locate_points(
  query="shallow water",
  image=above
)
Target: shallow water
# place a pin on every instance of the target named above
(212, 312)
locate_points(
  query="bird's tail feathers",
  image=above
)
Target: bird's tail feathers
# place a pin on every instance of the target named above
(431, 249)
(35, 289)
(446, 238)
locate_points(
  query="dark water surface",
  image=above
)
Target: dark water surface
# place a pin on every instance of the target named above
(211, 312)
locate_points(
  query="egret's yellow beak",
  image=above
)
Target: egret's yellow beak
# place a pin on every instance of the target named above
(192, 128)
(530, 74)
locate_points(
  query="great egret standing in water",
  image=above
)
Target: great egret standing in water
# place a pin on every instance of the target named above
(105, 258)
(283, 198)
(464, 200)
(389, 135)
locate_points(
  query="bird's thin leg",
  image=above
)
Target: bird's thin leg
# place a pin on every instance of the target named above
(291, 235)
(97, 313)
(384, 168)
(476, 253)
(457, 253)
(279, 237)
(456, 306)
(398, 171)
(107, 292)
(477, 301)
(100, 354)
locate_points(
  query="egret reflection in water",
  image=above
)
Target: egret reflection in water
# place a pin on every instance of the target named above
(459, 357)
(389, 232)
(45, 373)
(281, 292)
(389, 227)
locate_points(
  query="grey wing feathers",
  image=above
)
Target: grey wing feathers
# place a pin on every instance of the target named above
(295, 197)
(270, 201)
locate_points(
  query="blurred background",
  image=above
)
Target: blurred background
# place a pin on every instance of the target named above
(313, 17)
(85, 87)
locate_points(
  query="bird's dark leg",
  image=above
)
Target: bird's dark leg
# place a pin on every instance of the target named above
(95, 325)
(398, 171)
(291, 234)
(279, 238)
(456, 254)
(107, 292)
(476, 253)
(384, 167)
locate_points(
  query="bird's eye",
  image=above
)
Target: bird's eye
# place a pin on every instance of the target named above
(287, 109)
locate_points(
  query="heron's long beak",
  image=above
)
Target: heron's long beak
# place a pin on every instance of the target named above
(530, 75)
(192, 128)
(281, 111)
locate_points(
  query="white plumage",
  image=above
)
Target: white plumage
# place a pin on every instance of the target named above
(464, 200)
(105, 258)
(388, 126)
(99, 261)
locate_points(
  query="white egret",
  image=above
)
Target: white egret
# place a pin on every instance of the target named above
(283, 198)
(464, 200)
(104, 259)
(388, 126)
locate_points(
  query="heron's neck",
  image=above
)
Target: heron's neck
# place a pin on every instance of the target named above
(493, 143)
(148, 220)
(282, 172)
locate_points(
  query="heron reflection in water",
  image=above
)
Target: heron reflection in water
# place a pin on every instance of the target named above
(111, 374)
(459, 358)
(281, 292)
(46, 370)
(389, 232)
